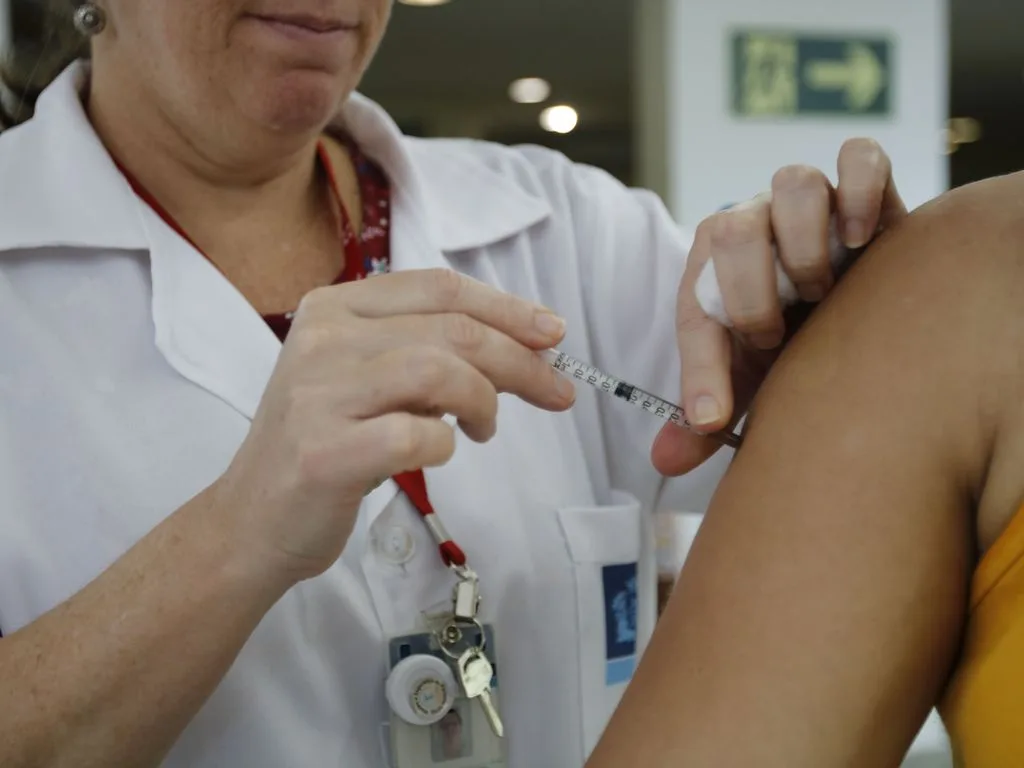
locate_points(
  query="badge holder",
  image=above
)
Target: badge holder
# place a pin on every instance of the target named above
(432, 722)
(442, 685)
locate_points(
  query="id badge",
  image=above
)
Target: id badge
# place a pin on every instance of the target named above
(423, 687)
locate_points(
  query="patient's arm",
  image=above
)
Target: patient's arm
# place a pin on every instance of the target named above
(818, 615)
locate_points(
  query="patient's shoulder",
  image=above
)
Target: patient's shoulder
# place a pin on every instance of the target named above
(933, 317)
(989, 213)
(957, 258)
(983, 224)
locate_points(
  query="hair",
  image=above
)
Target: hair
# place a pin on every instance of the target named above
(44, 42)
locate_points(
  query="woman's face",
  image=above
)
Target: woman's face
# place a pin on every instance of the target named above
(284, 64)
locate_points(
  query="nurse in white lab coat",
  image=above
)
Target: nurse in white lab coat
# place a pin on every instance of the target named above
(190, 574)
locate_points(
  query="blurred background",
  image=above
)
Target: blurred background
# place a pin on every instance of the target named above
(451, 68)
(701, 100)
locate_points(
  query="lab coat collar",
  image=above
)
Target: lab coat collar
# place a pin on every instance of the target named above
(73, 194)
(464, 203)
(67, 190)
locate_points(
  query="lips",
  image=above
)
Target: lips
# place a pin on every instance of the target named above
(317, 24)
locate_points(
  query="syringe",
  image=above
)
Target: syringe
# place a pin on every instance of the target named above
(579, 371)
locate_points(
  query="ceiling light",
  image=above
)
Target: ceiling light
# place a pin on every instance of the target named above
(559, 119)
(965, 130)
(960, 131)
(423, 2)
(949, 146)
(529, 90)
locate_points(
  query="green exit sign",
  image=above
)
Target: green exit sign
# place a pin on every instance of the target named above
(779, 74)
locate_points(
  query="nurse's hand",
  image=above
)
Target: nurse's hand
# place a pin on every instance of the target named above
(723, 367)
(358, 393)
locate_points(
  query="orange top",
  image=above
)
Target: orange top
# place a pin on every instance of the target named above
(983, 708)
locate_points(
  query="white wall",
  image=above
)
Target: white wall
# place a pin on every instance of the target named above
(715, 158)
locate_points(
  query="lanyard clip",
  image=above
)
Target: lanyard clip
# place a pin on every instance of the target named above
(466, 595)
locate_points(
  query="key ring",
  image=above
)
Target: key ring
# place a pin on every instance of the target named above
(451, 635)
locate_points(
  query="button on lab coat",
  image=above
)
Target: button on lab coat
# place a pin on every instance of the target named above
(130, 370)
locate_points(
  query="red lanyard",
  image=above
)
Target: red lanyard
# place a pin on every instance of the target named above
(374, 192)
(414, 486)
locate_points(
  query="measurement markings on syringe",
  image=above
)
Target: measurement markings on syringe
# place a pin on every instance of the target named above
(620, 389)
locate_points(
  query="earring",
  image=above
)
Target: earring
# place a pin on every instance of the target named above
(90, 19)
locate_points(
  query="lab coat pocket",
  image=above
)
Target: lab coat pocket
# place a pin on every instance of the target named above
(604, 544)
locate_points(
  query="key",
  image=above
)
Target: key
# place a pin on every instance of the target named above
(475, 673)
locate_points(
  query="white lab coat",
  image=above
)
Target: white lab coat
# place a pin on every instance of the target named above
(130, 370)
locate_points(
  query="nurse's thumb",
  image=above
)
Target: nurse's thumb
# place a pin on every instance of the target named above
(677, 450)
(705, 351)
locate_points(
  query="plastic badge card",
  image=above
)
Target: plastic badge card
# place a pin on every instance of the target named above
(462, 737)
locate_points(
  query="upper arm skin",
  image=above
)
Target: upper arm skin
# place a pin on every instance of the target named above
(819, 612)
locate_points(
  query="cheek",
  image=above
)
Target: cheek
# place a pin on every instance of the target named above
(375, 28)
(189, 32)
(378, 12)
(191, 35)
(186, 42)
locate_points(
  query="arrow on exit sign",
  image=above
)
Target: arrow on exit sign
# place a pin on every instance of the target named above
(860, 76)
(794, 74)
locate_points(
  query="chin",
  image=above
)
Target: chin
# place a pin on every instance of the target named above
(299, 102)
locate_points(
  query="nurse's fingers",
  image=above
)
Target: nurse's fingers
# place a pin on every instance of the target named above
(428, 380)
(506, 363)
(800, 219)
(438, 291)
(677, 451)
(705, 349)
(867, 196)
(740, 243)
(401, 442)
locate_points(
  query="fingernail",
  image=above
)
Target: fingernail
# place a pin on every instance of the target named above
(812, 292)
(857, 234)
(767, 340)
(566, 389)
(549, 324)
(705, 411)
